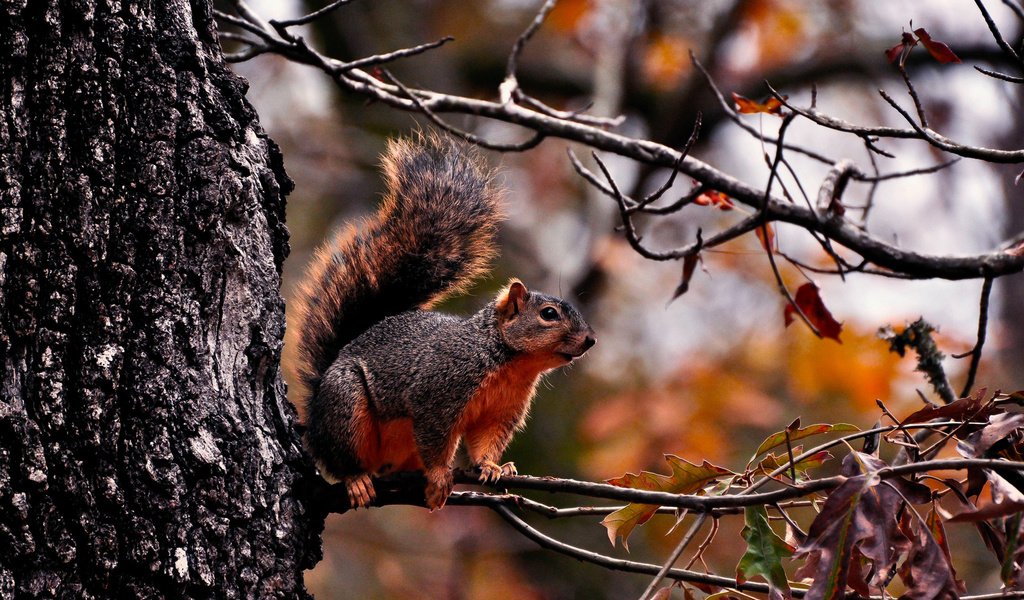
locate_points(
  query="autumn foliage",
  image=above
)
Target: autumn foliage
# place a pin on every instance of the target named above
(879, 528)
(876, 496)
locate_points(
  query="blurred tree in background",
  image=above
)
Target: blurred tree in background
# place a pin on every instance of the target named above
(709, 374)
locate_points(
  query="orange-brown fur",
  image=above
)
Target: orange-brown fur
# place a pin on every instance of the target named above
(501, 405)
(361, 318)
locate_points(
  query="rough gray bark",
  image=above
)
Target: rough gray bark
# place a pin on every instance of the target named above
(1011, 353)
(146, 445)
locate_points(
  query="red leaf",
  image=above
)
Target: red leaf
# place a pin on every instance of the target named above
(715, 198)
(809, 301)
(937, 49)
(901, 48)
(746, 106)
(689, 264)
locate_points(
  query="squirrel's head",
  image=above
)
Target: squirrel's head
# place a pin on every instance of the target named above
(543, 326)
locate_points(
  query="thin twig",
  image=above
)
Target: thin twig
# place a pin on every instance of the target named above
(914, 96)
(773, 174)
(901, 174)
(735, 118)
(883, 254)
(517, 47)
(994, 30)
(676, 553)
(986, 290)
(309, 18)
(987, 154)
(379, 59)
(532, 142)
(998, 75)
(1016, 8)
(616, 564)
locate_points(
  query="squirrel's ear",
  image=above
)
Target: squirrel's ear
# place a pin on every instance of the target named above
(510, 300)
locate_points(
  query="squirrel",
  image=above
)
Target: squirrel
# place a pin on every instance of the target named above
(386, 384)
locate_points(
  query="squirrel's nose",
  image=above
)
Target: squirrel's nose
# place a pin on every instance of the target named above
(588, 342)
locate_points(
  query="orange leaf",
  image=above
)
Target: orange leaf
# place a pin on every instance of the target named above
(715, 198)
(767, 236)
(810, 304)
(686, 478)
(772, 106)
(939, 51)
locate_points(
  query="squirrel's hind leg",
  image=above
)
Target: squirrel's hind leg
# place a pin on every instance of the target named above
(343, 433)
(436, 444)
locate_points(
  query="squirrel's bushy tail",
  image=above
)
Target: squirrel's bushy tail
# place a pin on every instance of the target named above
(433, 233)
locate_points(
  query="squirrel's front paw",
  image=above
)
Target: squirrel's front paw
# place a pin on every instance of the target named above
(360, 490)
(490, 472)
(439, 487)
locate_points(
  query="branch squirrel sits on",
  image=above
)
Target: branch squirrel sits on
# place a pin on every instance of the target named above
(387, 384)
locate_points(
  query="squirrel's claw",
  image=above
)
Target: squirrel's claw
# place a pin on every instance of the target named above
(439, 486)
(360, 490)
(491, 472)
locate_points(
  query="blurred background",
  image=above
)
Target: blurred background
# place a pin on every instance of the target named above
(710, 374)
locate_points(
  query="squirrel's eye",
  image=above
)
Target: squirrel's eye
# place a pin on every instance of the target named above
(549, 314)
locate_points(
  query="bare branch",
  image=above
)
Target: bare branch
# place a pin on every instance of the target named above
(975, 353)
(913, 96)
(933, 138)
(735, 118)
(944, 143)
(998, 75)
(629, 566)
(1016, 8)
(1003, 45)
(379, 59)
(533, 142)
(309, 18)
(632, 204)
(880, 253)
(676, 553)
(901, 174)
(517, 48)
(833, 186)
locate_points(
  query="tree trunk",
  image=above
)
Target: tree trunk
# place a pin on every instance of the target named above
(1012, 351)
(146, 446)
